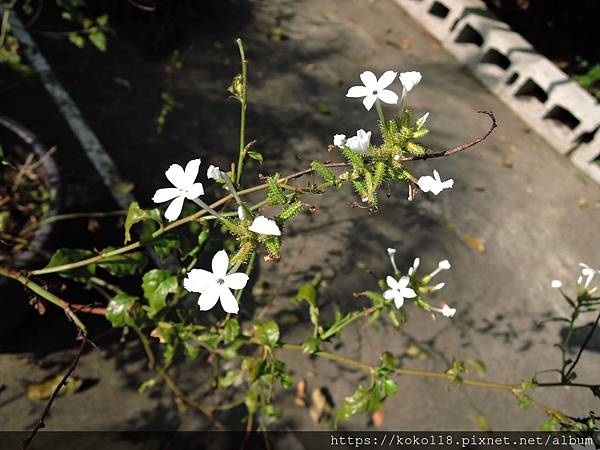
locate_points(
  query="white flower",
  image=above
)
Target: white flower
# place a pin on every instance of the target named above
(439, 286)
(339, 140)
(396, 157)
(434, 184)
(374, 89)
(415, 266)
(359, 143)
(391, 251)
(447, 311)
(556, 284)
(214, 173)
(241, 213)
(587, 272)
(214, 286)
(262, 225)
(398, 290)
(410, 79)
(444, 265)
(185, 187)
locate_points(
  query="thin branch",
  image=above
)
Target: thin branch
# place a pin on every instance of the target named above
(460, 148)
(583, 346)
(41, 421)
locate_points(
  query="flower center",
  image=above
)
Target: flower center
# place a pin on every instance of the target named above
(220, 281)
(375, 92)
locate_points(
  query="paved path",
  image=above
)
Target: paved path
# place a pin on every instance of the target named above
(534, 213)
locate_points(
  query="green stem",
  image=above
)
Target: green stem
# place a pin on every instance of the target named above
(204, 206)
(4, 26)
(231, 188)
(45, 294)
(243, 102)
(380, 113)
(70, 216)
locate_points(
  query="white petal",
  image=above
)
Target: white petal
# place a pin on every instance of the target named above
(236, 280)
(426, 183)
(436, 176)
(353, 144)
(556, 284)
(416, 263)
(369, 101)
(444, 264)
(408, 293)
(195, 191)
(228, 301)
(388, 96)
(369, 79)
(410, 79)
(386, 79)
(174, 209)
(339, 140)
(358, 91)
(403, 282)
(436, 188)
(241, 213)
(389, 294)
(176, 176)
(198, 280)
(220, 264)
(166, 194)
(398, 300)
(209, 298)
(391, 282)
(448, 184)
(439, 286)
(213, 173)
(262, 225)
(391, 251)
(191, 171)
(447, 311)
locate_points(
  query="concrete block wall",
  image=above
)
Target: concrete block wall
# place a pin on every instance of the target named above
(551, 103)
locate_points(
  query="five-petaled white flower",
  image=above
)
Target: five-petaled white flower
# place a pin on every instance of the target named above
(339, 140)
(398, 290)
(374, 89)
(360, 143)
(185, 187)
(434, 184)
(216, 285)
(444, 265)
(587, 272)
(410, 79)
(214, 173)
(262, 225)
(556, 284)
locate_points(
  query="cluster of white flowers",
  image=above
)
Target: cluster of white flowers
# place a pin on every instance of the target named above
(587, 272)
(217, 284)
(373, 90)
(399, 290)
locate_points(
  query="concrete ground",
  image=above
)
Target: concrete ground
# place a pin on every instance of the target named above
(533, 212)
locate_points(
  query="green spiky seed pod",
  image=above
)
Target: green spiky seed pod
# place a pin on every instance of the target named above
(355, 159)
(379, 173)
(420, 133)
(323, 170)
(290, 211)
(276, 196)
(359, 187)
(235, 227)
(415, 149)
(243, 253)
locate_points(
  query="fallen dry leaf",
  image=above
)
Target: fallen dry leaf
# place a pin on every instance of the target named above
(300, 397)
(475, 243)
(378, 417)
(44, 389)
(320, 407)
(582, 202)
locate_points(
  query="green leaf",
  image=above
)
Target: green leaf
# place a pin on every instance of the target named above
(136, 214)
(231, 330)
(146, 385)
(267, 333)
(167, 243)
(255, 155)
(191, 350)
(308, 293)
(119, 310)
(76, 39)
(311, 345)
(361, 401)
(157, 285)
(390, 387)
(123, 265)
(98, 39)
(70, 255)
(102, 20)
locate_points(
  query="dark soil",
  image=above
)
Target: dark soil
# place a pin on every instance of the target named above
(24, 198)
